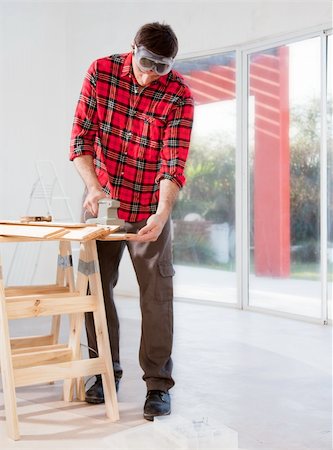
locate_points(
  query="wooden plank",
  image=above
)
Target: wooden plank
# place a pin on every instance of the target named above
(67, 234)
(31, 231)
(4, 239)
(115, 237)
(36, 349)
(10, 291)
(30, 341)
(48, 224)
(89, 233)
(76, 324)
(45, 294)
(73, 225)
(53, 372)
(65, 276)
(23, 307)
(7, 372)
(74, 343)
(102, 337)
(51, 356)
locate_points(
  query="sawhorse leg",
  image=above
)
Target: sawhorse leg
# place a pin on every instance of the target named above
(7, 373)
(89, 271)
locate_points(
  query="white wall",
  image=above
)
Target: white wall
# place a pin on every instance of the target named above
(45, 48)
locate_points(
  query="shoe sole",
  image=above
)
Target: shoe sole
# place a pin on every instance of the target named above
(150, 417)
(94, 401)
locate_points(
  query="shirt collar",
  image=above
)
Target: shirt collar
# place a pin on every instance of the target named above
(127, 67)
(128, 70)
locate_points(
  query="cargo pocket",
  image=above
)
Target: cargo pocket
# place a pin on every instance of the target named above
(164, 284)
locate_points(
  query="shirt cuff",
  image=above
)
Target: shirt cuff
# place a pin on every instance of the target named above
(178, 179)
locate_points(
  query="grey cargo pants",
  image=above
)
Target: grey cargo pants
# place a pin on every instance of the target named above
(152, 262)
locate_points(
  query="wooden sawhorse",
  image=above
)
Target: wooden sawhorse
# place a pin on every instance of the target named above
(41, 359)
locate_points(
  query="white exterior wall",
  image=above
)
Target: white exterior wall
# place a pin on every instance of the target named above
(46, 47)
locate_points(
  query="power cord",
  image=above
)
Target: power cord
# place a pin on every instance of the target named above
(94, 351)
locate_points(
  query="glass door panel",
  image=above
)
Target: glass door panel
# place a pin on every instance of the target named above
(284, 165)
(204, 217)
(330, 170)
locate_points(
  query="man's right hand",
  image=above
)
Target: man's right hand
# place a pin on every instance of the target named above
(85, 166)
(91, 201)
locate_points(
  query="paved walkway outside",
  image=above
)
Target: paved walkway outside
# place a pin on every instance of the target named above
(281, 294)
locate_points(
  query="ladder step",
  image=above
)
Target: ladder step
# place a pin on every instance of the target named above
(50, 356)
(53, 372)
(30, 341)
(23, 307)
(33, 290)
(40, 348)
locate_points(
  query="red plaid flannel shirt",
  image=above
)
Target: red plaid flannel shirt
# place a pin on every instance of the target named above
(136, 135)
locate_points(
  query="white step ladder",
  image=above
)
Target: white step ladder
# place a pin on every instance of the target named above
(47, 195)
(47, 198)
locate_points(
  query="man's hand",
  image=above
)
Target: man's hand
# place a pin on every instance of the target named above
(91, 201)
(150, 232)
(155, 223)
(85, 166)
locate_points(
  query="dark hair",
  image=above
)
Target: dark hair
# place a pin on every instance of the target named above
(158, 38)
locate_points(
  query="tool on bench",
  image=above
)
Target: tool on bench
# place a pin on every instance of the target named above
(107, 213)
(25, 219)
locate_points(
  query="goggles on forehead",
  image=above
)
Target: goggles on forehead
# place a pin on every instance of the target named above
(147, 60)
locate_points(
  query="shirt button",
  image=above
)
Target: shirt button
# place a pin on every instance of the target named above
(122, 173)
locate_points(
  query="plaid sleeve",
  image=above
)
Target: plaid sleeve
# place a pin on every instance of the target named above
(177, 140)
(85, 120)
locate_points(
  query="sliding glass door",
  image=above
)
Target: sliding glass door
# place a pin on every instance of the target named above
(281, 158)
(330, 173)
(204, 218)
(284, 173)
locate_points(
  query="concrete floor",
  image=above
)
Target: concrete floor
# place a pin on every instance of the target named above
(243, 380)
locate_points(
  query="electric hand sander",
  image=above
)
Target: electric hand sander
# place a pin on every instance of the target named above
(107, 213)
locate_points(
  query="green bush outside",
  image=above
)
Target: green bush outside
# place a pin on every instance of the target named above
(210, 190)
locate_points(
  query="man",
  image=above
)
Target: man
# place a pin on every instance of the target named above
(130, 142)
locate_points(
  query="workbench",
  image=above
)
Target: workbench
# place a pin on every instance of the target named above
(32, 360)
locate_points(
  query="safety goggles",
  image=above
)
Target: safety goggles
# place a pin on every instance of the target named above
(147, 60)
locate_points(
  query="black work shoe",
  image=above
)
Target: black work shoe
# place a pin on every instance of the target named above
(95, 394)
(157, 404)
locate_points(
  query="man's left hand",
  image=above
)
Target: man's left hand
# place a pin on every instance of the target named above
(150, 232)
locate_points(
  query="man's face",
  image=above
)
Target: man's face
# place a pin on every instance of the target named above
(148, 66)
(143, 78)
